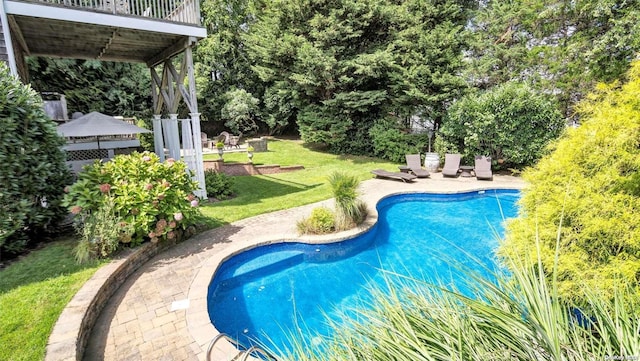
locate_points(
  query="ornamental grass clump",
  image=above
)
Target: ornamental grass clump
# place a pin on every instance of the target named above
(130, 199)
(321, 221)
(516, 317)
(350, 210)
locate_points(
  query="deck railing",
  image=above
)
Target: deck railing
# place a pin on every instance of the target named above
(181, 11)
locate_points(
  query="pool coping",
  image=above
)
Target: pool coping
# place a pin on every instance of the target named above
(197, 315)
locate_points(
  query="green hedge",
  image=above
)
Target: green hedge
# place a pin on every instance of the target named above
(589, 187)
(33, 173)
(511, 123)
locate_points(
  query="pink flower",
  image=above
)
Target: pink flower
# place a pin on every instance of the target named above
(154, 240)
(104, 188)
(76, 209)
(166, 184)
(152, 234)
(67, 189)
(178, 216)
(161, 223)
(194, 203)
(171, 235)
(161, 196)
(146, 158)
(148, 186)
(191, 197)
(172, 224)
(169, 162)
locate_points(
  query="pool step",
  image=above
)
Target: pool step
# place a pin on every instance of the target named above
(249, 272)
(244, 354)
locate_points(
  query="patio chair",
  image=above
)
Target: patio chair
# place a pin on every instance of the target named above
(414, 164)
(206, 142)
(483, 168)
(451, 165)
(234, 141)
(405, 177)
(225, 138)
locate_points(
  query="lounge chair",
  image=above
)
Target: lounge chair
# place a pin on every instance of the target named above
(414, 164)
(405, 177)
(451, 165)
(483, 168)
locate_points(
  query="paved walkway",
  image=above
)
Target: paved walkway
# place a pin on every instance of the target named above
(160, 312)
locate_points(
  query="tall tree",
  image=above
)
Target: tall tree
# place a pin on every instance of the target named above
(336, 67)
(563, 46)
(222, 64)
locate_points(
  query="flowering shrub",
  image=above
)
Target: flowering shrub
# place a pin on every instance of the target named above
(145, 199)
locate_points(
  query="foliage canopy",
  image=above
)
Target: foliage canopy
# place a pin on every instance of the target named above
(341, 66)
(590, 187)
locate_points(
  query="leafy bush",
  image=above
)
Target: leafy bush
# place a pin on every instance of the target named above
(240, 111)
(321, 221)
(511, 123)
(350, 211)
(138, 195)
(218, 185)
(33, 173)
(589, 185)
(392, 143)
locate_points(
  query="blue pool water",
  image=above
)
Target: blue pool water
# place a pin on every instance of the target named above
(269, 292)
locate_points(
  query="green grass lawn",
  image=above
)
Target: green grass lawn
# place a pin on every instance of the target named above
(35, 289)
(33, 293)
(260, 194)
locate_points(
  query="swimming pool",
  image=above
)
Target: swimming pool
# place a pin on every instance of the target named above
(270, 292)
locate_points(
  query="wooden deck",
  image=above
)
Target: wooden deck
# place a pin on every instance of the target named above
(180, 11)
(146, 31)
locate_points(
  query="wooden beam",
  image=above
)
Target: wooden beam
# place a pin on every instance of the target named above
(188, 59)
(168, 80)
(164, 99)
(180, 83)
(154, 91)
(169, 52)
(17, 33)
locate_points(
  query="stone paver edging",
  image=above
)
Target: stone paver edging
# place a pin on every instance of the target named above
(73, 328)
